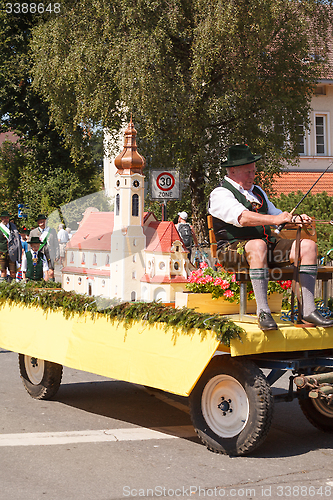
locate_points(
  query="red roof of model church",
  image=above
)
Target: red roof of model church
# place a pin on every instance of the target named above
(94, 232)
(161, 236)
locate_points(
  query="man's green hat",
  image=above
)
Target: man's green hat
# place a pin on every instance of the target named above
(4, 213)
(34, 239)
(41, 217)
(240, 154)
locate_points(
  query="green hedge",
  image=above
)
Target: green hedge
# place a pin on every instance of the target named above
(40, 294)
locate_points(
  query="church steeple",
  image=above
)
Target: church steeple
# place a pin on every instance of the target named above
(129, 161)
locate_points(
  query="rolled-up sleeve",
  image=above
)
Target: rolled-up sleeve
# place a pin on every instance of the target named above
(223, 205)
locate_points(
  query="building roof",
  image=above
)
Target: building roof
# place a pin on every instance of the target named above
(94, 232)
(8, 136)
(302, 181)
(160, 236)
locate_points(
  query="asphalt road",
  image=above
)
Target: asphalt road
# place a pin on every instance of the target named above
(104, 440)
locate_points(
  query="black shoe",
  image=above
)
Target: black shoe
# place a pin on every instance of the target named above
(318, 320)
(266, 321)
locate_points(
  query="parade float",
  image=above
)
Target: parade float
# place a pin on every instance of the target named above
(110, 318)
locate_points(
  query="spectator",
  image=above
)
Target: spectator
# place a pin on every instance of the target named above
(49, 240)
(186, 232)
(69, 231)
(10, 247)
(63, 238)
(34, 263)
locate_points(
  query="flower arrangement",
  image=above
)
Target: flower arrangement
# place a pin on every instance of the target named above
(223, 284)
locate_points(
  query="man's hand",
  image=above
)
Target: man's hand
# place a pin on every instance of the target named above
(302, 219)
(283, 218)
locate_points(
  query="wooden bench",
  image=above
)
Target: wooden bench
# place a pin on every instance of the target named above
(284, 273)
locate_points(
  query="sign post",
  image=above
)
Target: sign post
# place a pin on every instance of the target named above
(164, 187)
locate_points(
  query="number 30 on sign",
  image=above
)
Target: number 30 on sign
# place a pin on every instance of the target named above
(165, 185)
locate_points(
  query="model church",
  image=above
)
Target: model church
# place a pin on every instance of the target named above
(126, 254)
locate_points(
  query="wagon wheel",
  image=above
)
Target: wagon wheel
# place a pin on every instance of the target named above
(40, 378)
(231, 406)
(318, 412)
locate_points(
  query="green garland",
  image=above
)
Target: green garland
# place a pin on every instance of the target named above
(40, 294)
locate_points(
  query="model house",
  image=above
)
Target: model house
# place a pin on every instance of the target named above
(126, 254)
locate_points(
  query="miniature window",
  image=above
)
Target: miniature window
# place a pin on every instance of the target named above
(133, 296)
(79, 281)
(134, 257)
(103, 283)
(95, 260)
(89, 289)
(162, 265)
(135, 205)
(72, 257)
(177, 248)
(83, 260)
(67, 280)
(134, 242)
(134, 275)
(176, 266)
(149, 264)
(117, 204)
(107, 261)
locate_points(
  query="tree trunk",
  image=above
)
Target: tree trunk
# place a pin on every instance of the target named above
(199, 203)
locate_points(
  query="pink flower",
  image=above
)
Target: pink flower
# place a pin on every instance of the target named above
(208, 278)
(203, 265)
(233, 279)
(224, 284)
(228, 294)
(285, 284)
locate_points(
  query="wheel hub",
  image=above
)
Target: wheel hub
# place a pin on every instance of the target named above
(34, 368)
(225, 406)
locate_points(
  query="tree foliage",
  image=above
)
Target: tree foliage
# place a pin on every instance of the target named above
(320, 207)
(197, 76)
(38, 170)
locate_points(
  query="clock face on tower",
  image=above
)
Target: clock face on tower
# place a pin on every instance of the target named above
(136, 183)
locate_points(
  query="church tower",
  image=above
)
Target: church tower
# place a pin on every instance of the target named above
(128, 240)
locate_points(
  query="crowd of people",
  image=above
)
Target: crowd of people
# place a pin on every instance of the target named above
(31, 254)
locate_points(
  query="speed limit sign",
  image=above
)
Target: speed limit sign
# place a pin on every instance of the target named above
(165, 185)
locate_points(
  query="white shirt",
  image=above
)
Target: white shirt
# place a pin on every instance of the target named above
(63, 236)
(24, 262)
(223, 204)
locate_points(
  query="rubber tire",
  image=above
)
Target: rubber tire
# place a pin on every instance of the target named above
(260, 404)
(317, 411)
(50, 377)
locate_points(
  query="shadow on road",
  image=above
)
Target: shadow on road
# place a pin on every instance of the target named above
(290, 434)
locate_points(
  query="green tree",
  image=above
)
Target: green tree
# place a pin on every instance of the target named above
(317, 206)
(197, 76)
(32, 170)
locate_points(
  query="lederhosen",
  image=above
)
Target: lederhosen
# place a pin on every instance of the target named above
(230, 238)
(5, 261)
(34, 272)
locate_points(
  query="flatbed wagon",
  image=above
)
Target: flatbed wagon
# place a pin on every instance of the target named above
(230, 396)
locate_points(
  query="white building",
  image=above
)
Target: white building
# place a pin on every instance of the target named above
(126, 254)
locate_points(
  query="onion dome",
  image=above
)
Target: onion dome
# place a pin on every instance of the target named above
(129, 161)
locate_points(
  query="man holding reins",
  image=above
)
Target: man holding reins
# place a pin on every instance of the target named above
(242, 216)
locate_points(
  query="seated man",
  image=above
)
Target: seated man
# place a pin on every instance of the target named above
(242, 216)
